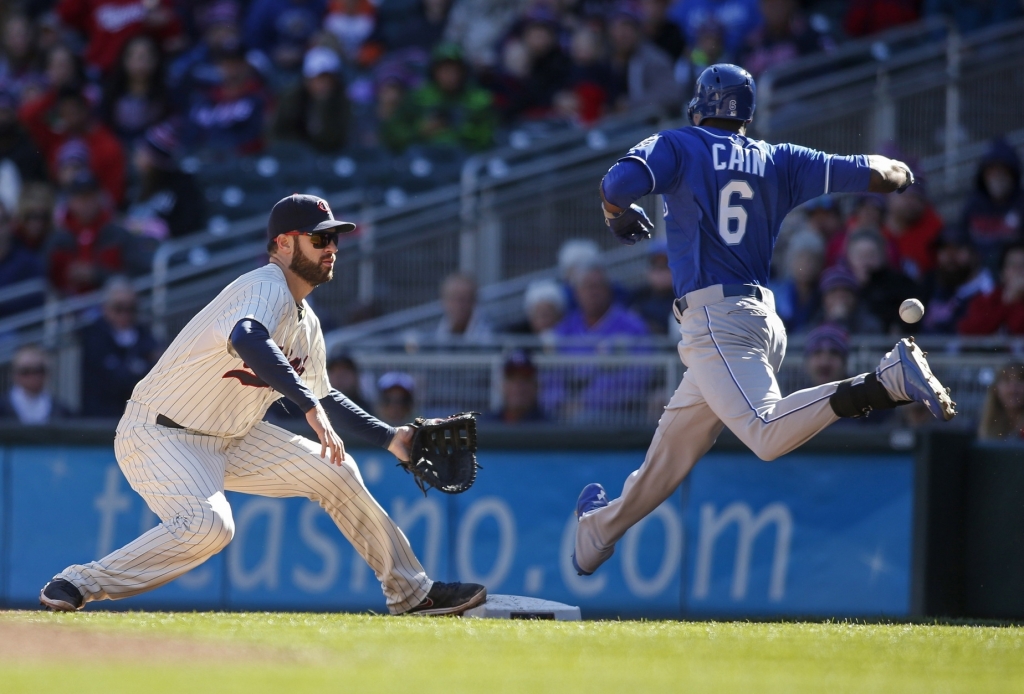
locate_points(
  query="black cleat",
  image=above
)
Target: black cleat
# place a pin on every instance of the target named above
(61, 596)
(450, 599)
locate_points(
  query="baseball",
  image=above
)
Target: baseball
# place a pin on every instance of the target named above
(911, 310)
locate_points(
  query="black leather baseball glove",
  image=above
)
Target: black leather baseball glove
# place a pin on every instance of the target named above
(443, 453)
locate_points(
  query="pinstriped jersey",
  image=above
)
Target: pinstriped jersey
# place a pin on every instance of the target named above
(201, 384)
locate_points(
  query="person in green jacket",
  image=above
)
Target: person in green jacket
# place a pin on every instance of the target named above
(447, 110)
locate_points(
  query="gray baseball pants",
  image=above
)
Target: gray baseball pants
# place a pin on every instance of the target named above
(182, 476)
(732, 348)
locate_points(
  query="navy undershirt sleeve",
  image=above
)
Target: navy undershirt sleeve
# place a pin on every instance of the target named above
(626, 182)
(252, 343)
(351, 418)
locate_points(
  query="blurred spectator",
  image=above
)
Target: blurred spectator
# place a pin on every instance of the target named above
(350, 22)
(519, 391)
(18, 63)
(135, 96)
(281, 29)
(343, 373)
(653, 302)
(316, 110)
(971, 15)
(1002, 415)
(396, 392)
(64, 70)
(403, 24)
(448, 109)
(958, 277)
(461, 317)
(108, 25)
(57, 117)
(994, 214)
(841, 305)
(737, 19)
(660, 31)
(221, 33)
(392, 80)
(544, 305)
(785, 35)
(17, 264)
(15, 145)
(598, 317)
(912, 225)
(882, 289)
(823, 216)
(586, 99)
(533, 57)
(478, 26)
(797, 299)
(88, 247)
(228, 117)
(71, 161)
(1002, 310)
(117, 351)
(825, 354)
(866, 17)
(584, 392)
(166, 202)
(34, 220)
(28, 401)
(642, 73)
(707, 49)
(575, 254)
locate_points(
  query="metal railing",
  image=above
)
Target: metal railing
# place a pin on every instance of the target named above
(515, 206)
(631, 390)
(924, 87)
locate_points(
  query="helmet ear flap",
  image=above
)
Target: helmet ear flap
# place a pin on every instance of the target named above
(691, 110)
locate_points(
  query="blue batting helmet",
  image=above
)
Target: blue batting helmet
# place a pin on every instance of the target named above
(723, 91)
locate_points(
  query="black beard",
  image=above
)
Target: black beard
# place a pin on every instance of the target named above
(313, 272)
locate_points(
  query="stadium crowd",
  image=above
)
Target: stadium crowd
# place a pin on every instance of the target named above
(100, 101)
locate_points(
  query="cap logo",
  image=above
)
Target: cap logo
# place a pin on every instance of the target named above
(322, 204)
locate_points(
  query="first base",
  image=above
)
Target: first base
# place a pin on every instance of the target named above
(520, 607)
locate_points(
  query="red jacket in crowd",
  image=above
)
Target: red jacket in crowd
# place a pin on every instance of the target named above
(988, 315)
(917, 242)
(106, 156)
(97, 245)
(109, 24)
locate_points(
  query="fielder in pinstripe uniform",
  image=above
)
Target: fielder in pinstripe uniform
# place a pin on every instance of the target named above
(194, 429)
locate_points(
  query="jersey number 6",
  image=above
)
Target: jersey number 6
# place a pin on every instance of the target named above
(728, 212)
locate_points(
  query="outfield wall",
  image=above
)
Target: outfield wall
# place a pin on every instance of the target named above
(812, 534)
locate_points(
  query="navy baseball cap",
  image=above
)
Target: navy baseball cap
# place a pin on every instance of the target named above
(827, 337)
(305, 213)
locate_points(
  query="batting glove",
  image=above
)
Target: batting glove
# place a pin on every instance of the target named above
(630, 225)
(909, 182)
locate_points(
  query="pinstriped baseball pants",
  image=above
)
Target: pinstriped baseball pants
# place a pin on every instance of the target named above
(732, 350)
(182, 476)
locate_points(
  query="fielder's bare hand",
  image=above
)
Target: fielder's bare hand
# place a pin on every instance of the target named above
(329, 440)
(402, 443)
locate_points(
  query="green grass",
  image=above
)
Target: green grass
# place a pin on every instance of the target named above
(294, 653)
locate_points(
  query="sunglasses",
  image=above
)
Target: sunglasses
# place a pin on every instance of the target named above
(319, 239)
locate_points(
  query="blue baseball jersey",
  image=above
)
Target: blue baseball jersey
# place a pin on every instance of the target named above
(727, 194)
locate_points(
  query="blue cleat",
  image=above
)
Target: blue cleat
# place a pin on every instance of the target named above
(591, 498)
(920, 383)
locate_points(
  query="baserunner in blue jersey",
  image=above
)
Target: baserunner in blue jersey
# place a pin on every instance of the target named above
(725, 198)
